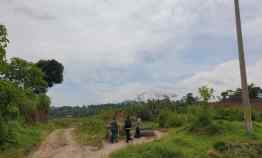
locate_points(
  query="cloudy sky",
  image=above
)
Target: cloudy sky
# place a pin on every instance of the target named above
(113, 50)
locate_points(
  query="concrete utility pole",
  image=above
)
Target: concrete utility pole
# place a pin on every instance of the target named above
(245, 93)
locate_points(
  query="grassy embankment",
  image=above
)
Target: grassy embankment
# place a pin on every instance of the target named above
(201, 133)
(28, 137)
(88, 131)
(183, 144)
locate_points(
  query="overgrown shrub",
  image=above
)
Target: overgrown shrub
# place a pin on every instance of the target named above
(146, 115)
(10, 96)
(203, 123)
(3, 132)
(171, 119)
(257, 116)
(228, 114)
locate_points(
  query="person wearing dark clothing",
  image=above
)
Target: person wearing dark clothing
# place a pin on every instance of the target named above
(128, 126)
(138, 128)
(114, 131)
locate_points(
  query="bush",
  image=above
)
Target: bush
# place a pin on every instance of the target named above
(257, 116)
(171, 119)
(10, 96)
(203, 123)
(3, 132)
(228, 114)
(146, 115)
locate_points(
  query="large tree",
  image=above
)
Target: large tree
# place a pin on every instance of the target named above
(53, 71)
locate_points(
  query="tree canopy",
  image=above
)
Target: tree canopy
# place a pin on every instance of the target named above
(254, 92)
(26, 75)
(53, 71)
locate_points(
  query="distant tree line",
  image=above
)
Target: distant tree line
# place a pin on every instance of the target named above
(235, 95)
(150, 109)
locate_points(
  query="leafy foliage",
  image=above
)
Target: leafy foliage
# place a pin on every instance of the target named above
(26, 75)
(9, 96)
(53, 71)
(206, 93)
(189, 99)
(254, 92)
(23, 98)
(3, 44)
(171, 119)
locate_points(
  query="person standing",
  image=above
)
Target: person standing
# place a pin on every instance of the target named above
(138, 128)
(128, 126)
(114, 130)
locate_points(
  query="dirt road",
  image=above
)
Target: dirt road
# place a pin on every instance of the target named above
(60, 144)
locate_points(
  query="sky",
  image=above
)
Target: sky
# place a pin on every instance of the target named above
(115, 50)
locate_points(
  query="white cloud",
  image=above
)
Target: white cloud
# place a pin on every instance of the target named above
(222, 77)
(115, 49)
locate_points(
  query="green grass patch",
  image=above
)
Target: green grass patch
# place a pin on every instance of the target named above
(24, 139)
(180, 143)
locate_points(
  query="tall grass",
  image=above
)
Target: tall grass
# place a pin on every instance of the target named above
(91, 131)
(183, 144)
(24, 139)
(195, 133)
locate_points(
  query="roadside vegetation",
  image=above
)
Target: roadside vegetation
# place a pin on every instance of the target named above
(24, 104)
(195, 134)
(197, 130)
(91, 132)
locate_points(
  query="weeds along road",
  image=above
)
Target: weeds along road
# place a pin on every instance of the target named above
(61, 144)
